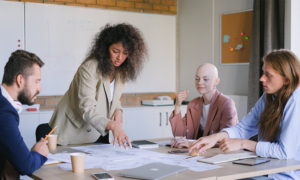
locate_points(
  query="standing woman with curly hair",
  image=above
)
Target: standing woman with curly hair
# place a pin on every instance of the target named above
(275, 116)
(91, 107)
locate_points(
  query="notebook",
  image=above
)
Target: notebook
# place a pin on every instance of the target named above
(222, 158)
(144, 144)
(152, 171)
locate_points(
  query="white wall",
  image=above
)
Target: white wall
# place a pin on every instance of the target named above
(292, 26)
(234, 78)
(195, 21)
(199, 42)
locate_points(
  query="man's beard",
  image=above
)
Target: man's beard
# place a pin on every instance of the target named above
(24, 96)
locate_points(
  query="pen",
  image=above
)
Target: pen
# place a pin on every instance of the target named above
(125, 143)
(50, 132)
(191, 157)
(177, 138)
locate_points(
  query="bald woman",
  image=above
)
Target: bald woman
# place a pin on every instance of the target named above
(205, 115)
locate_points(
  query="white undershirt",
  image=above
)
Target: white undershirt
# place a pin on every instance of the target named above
(205, 111)
(112, 89)
(16, 104)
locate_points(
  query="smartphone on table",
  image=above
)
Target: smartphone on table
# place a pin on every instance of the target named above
(103, 176)
(178, 151)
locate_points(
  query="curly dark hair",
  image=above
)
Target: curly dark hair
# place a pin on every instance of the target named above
(131, 39)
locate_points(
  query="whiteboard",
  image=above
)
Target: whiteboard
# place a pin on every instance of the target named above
(11, 30)
(61, 36)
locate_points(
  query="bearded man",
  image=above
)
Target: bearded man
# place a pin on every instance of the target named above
(20, 85)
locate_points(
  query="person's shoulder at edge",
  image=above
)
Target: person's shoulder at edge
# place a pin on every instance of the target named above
(7, 111)
(295, 97)
(89, 62)
(223, 98)
(296, 93)
(90, 66)
(6, 106)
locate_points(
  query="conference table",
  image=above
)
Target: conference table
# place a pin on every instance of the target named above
(228, 170)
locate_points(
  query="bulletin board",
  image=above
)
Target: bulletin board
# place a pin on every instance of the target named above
(236, 37)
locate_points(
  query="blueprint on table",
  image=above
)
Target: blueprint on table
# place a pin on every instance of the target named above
(110, 158)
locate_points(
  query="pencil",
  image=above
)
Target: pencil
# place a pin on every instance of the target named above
(191, 157)
(50, 132)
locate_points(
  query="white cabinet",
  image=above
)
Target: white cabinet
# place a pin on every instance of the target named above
(148, 122)
(45, 117)
(141, 122)
(27, 126)
(29, 121)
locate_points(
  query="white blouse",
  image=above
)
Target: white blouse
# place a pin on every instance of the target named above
(205, 111)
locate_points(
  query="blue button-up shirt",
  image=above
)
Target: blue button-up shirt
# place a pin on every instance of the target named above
(287, 145)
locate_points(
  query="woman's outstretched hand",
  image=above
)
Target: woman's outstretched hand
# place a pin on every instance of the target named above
(227, 145)
(208, 142)
(119, 134)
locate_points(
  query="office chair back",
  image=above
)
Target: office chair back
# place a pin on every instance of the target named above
(41, 131)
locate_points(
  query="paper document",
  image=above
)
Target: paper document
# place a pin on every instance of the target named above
(164, 143)
(89, 161)
(68, 166)
(24, 177)
(119, 158)
(221, 158)
(109, 158)
(51, 160)
(66, 150)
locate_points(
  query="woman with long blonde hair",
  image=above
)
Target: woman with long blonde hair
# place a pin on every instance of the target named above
(275, 116)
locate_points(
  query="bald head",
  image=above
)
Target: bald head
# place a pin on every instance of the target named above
(206, 78)
(208, 69)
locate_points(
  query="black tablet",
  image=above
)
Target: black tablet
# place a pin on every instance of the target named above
(251, 161)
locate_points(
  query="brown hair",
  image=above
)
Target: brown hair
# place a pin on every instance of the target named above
(20, 62)
(131, 39)
(287, 65)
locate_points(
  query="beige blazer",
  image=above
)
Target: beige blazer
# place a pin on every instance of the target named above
(84, 111)
(222, 114)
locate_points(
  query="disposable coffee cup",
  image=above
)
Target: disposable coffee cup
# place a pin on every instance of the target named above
(52, 141)
(195, 151)
(77, 160)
